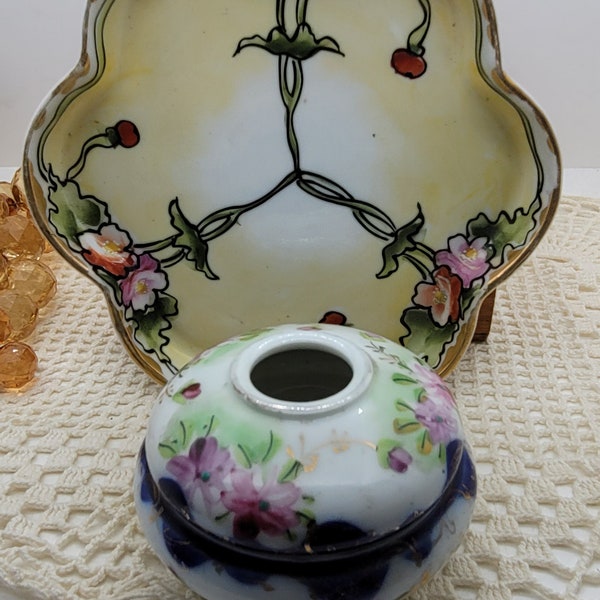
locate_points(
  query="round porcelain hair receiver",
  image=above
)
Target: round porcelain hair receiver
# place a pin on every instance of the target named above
(302, 459)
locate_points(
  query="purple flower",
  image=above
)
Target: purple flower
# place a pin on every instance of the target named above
(268, 508)
(399, 459)
(140, 286)
(468, 260)
(202, 471)
(434, 386)
(439, 419)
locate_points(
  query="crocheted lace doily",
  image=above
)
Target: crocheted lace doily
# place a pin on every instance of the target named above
(529, 396)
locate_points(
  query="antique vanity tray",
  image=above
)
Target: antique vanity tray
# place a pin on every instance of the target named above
(218, 167)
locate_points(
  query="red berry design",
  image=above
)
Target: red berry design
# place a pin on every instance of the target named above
(333, 317)
(408, 64)
(128, 134)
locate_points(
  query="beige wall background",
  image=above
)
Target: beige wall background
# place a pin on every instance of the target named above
(549, 47)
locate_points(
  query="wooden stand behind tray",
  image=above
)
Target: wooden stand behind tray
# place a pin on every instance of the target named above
(484, 320)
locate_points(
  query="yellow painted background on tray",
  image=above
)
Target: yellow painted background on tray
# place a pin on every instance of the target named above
(213, 135)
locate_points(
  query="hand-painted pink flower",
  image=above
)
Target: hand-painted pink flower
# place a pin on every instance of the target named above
(439, 419)
(140, 286)
(468, 260)
(268, 509)
(399, 459)
(108, 249)
(434, 386)
(442, 296)
(202, 471)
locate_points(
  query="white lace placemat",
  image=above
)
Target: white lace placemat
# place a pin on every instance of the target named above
(530, 399)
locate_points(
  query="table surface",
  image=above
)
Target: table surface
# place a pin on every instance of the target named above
(529, 398)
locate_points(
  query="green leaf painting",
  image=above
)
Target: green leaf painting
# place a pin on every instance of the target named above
(71, 213)
(188, 238)
(301, 45)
